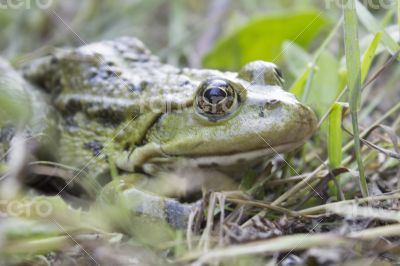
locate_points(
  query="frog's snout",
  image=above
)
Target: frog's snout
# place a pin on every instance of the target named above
(289, 122)
(306, 121)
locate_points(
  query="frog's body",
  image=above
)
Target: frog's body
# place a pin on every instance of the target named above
(119, 104)
(116, 94)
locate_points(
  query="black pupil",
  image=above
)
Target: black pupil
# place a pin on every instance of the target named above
(214, 95)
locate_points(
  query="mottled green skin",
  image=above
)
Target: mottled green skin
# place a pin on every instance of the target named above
(113, 93)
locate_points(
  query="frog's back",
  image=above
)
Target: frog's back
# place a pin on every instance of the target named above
(113, 75)
(109, 93)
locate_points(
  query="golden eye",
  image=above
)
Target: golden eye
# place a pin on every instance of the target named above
(216, 98)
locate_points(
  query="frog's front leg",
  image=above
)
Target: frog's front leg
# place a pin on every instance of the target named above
(130, 161)
(172, 176)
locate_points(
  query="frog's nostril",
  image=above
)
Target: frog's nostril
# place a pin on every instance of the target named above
(272, 103)
(279, 72)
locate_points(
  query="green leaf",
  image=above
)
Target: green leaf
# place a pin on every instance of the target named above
(263, 38)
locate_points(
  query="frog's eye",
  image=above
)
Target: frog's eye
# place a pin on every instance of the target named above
(215, 93)
(216, 98)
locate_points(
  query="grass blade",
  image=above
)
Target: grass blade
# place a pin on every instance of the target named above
(335, 136)
(398, 14)
(370, 23)
(299, 85)
(352, 50)
(370, 55)
(335, 140)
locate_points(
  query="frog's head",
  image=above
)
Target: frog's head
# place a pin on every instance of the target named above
(236, 117)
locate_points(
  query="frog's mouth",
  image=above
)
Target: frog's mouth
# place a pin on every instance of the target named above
(246, 156)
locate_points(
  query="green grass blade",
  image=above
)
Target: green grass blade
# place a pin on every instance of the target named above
(335, 136)
(298, 86)
(352, 50)
(370, 55)
(370, 23)
(388, 18)
(398, 14)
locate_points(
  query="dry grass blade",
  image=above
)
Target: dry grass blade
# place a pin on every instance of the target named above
(280, 244)
(355, 211)
(393, 137)
(324, 208)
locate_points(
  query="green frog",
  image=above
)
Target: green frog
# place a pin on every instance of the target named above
(173, 130)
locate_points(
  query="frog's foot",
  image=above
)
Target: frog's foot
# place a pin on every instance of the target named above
(138, 202)
(169, 210)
